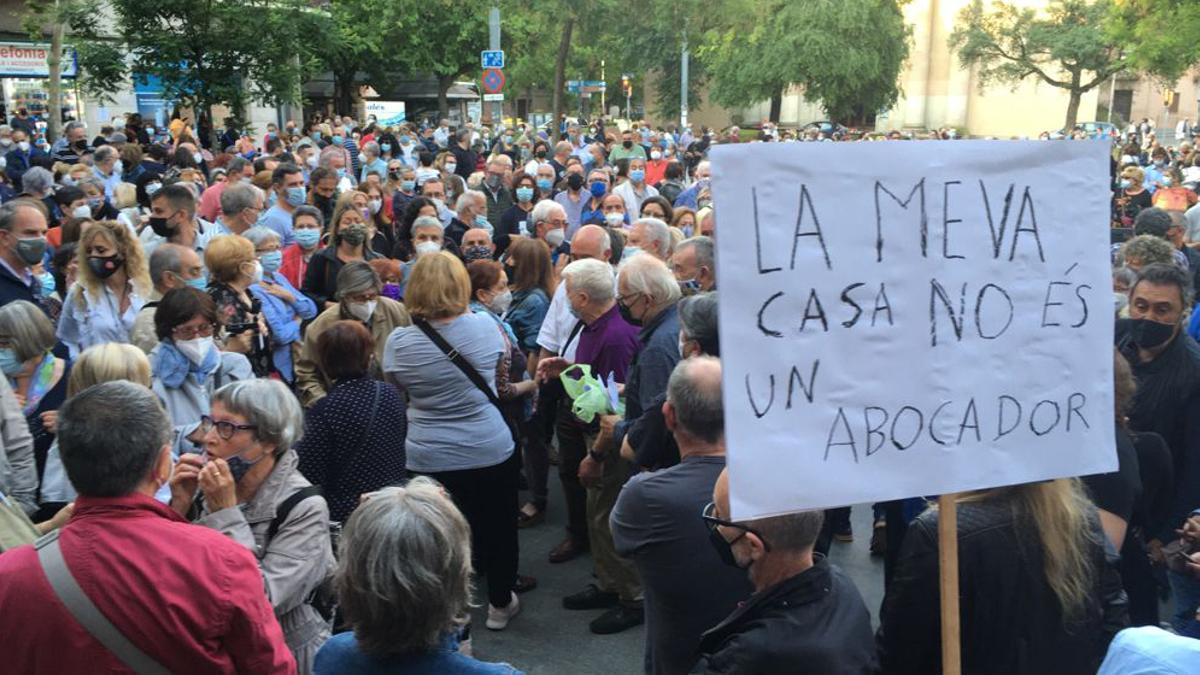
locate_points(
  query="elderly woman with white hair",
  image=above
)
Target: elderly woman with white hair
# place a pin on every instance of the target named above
(254, 493)
(649, 235)
(283, 307)
(404, 581)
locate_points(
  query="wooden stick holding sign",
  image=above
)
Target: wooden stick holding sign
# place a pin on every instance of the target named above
(948, 570)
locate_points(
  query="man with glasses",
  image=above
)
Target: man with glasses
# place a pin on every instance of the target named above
(804, 610)
(171, 266)
(654, 524)
(550, 225)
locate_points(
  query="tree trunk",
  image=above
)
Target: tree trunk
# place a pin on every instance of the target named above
(1072, 110)
(54, 88)
(444, 84)
(560, 68)
(776, 106)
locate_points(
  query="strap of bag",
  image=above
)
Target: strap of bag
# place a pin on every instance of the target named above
(86, 613)
(574, 331)
(285, 509)
(467, 369)
(335, 473)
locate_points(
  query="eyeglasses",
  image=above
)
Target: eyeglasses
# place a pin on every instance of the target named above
(622, 298)
(362, 297)
(185, 333)
(225, 429)
(713, 522)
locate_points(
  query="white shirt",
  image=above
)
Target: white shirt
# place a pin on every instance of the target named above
(557, 325)
(99, 320)
(633, 200)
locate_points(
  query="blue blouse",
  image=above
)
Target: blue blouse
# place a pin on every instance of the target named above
(281, 319)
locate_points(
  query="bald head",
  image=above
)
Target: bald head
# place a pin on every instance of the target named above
(721, 495)
(591, 241)
(693, 409)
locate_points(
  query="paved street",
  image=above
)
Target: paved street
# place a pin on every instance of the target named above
(548, 640)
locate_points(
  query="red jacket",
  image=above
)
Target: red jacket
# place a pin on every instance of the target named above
(293, 266)
(189, 597)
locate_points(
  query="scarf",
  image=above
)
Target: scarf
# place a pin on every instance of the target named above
(172, 367)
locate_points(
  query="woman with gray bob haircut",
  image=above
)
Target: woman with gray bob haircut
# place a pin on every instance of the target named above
(404, 583)
(247, 472)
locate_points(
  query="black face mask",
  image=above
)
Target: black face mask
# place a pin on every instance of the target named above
(104, 267)
(723, 548)
(540, 154)
(160, 227)
(627, 315)
(1148, 334)
(575, 181)
(627, 144)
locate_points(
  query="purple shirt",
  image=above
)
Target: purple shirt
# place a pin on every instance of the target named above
(608, 345)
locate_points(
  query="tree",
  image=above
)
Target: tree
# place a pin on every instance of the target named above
(846, 55)
(204, 52)
(1162, 36)
(657, 46)
(50, 18)
(1065, 46)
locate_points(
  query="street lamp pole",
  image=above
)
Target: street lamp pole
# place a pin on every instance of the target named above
(494, 44)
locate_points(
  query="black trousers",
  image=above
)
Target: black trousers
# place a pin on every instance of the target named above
(487, 498)
(572, 448)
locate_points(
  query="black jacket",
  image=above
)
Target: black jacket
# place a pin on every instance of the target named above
(813, 623)
(13, 288)
(1011, 620)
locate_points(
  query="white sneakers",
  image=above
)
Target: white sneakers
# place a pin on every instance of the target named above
(498, 617)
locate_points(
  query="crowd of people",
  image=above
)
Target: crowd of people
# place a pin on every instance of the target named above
(274, 408)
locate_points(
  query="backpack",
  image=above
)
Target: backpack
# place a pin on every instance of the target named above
(323, 598)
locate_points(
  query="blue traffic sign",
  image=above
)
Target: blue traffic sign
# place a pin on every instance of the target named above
(491, 58)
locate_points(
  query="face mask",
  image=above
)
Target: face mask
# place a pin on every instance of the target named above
(427, 247)
(152, 188)
(9, 363)
(385, 147)
(95, 202)
(655, 155)
(1166, 182)
(440, 205)
(637, 175)
(405, 139)
(614, 219)
(239, 467)
(312, 161)
(48, 284)
(555, 237)
(482, 221)
(1160, 163)
(104, 267)
(199, 283)
(688, 231)
(362, 310)
(689, 285)
(450, 167)
(501, 303)
(524, 194)
(724, 549)
(1148, 334)
(271, 261)
(627, 314)
(598, 189)
(362, 158)
(338, 140)
(119, 168)
(23, 146)
(1126, 183)
(307, 237)
(473, 253)
(408, 185)
(391, 290)
(316, 136)
(257, 274)
(295, 196)
(197, 157)
(354, 235)
(5, 142)
(81, 211)
(574, 181)
(374, 205)
(195, 349)
(544, 184)
(494, 182)
(341, 173)
(540, 154)
(627, 144)
(508, 140)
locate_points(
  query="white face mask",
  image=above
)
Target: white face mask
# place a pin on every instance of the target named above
(427, 247)
(83, 211)
(195, 349)
(362, 158)
(450, 167)
(197, 157)
(312, 161)
(257, 275)
(362, 310)
(555, 237)
(614, 219)
(375, 205)
(501, 303)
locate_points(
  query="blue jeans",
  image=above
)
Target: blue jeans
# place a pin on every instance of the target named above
(1185, 592)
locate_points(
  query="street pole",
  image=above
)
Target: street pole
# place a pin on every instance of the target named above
(1112, 96)
(603, 109)
(494, 44)
(683, 83)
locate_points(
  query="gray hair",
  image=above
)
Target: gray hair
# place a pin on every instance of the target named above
(109, 437)
(699, 412)
(357, 277)
(698, 321)
(467, 197)
(592, 277)
(371, 147)
(236, 165)
(1125, 275)
(790, 533)
(1147, 249)
(542, 212)
(269, 406)
(703, 246)
(423, 222)
(238, 197)
(38, 180)
(658, 232)
(167, 257)
(10, 209)
(105, 153)
(649, 275)
(72, 126)
(260, 235)
(27, 328)
(500, 159)
(307, 210)
(404, 573)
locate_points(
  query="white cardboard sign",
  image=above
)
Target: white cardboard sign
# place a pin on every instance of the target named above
(912, 318)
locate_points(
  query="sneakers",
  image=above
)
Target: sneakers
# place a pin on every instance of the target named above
(879, 538)
(498, 617)
(590, 598)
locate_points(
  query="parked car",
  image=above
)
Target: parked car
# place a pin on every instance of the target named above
(1093, 129)
(826, 127)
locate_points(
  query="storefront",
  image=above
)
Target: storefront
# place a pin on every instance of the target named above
(23, 73)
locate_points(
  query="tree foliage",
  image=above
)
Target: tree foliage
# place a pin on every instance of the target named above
(847, 55)
(1162, 36)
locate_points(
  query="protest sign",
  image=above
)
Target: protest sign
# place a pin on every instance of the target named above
(911, 318)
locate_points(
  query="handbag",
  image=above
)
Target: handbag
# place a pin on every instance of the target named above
(473, 375)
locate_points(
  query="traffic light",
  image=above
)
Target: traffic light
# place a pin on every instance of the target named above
(1168, 98)
(627, 85)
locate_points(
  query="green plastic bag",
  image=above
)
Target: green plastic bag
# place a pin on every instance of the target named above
(589, 395)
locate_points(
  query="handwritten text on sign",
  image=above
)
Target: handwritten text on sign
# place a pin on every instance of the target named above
(912, 318)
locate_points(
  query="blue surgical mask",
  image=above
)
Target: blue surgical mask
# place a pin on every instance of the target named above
(637, 175)
(199, 283)
(598, 188)
(271, 261)
(1166, 181)
(408, 185)
(544, 184)
(341, 173)
(338, 140)
(405, 139)
(629, 252)
(48, 286)
(307, 237)
(482, 221)
(9, 363)
(296, 196)
(524, 194)
(316, 135)
(1126, 183)
(385, 147)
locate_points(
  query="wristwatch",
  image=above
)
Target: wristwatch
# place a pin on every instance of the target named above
(596, 457)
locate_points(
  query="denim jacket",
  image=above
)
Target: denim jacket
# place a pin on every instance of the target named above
(526, 316)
